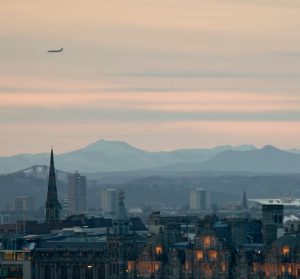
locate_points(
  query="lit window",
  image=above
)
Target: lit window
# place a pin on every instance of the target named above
(199, 255)
(19, 256)
(286, 250)
(158, 250)
(130, 266)
(9, 256)
(213, 255)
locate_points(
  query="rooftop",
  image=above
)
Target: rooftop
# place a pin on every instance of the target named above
(282, 201)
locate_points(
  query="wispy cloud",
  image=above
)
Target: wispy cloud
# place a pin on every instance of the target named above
(214, 74)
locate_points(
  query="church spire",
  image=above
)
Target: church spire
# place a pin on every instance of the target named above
(52, 204)
(245, 202)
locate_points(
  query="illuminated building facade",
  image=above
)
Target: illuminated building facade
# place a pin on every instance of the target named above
(280, 260)
(207, 256)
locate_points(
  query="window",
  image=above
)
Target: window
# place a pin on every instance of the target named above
(19, 256)
(206, 241)
(223, 267)
(63, 272)
(213, 255)
(286, 250)
(9, 256)
(199, 255)
(76, 272)
(158, 250)
(8, 271)
(48, 272)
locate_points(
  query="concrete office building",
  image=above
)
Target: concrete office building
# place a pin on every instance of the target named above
(76, 193)
(108, 201)
(200, 200)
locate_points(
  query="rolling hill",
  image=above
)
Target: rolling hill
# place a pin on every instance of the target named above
(110, 156)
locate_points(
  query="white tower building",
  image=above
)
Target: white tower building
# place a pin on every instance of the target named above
(108, 201)
(200, 200)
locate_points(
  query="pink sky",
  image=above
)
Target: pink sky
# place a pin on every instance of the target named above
(201, 73)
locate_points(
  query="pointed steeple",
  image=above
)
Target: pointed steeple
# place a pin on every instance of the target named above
(245, 202)
(53, 206)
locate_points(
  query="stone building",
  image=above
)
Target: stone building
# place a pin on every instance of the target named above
(70, 263)
(122, 244)
(174, 247)
(280, 260)
(207, 256)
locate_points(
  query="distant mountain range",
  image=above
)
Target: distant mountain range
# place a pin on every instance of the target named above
(114, 156)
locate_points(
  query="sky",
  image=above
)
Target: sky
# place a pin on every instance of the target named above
(159, 74)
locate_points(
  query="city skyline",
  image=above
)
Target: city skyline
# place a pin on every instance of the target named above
(203, 73)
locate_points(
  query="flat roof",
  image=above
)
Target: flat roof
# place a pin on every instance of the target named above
(281, 201)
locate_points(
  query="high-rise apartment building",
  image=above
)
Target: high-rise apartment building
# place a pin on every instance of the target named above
(76, 193)
(200, 200)
(108, 201)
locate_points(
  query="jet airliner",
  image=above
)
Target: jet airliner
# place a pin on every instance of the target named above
(55, 50)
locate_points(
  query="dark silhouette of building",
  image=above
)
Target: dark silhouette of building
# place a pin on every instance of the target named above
(53, 206)
(272, 218)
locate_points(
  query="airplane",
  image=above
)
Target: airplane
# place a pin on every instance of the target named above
(55, 50)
